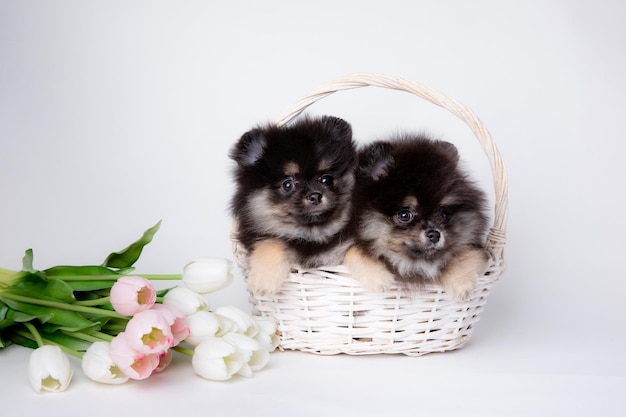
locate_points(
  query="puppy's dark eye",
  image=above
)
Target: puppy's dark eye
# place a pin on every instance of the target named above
(405, 216)
(444, 212)
(327, 180)
(288, 185)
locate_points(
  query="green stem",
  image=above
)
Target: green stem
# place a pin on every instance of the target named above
(180, 349)
(85, 337)
(63, 306)
(95, 302)
(114, 277)
(104, 336)
(33, 331)
(50, 342)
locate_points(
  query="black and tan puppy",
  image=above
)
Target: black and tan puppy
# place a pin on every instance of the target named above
(294, 197)
(420, 219)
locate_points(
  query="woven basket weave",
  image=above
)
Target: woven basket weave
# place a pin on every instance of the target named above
(326, 311)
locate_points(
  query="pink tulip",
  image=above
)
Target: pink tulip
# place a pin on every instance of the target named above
(177, 321)
(149, 332)
(164, 361)
(133, 364)
(131, 295)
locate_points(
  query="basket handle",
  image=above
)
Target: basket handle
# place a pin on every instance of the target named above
(497, 234)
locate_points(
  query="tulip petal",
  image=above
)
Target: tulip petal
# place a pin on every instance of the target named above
(216, 359)
(49, 369)
(202, 325)
(207, 275)
(185, 300)
(98, 365)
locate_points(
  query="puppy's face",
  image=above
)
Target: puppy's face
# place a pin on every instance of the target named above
(295, 182)
(418, 209)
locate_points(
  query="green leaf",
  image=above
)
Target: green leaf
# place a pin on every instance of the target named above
(67, 341)
(51, 289)
(66, 319)
(27, 261)
(85, 278)
(69, 271)
(129, 256)
(9, 317)
(163, 292)
(27, 266)
(91, 285)
(10, 338)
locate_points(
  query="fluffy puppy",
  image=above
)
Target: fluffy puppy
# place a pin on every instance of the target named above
(292, 202)
(420, 219)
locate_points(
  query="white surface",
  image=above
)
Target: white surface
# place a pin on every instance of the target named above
(115, 115)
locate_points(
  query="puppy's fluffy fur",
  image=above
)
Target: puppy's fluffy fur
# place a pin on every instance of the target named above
(293, 197)
(420, 219)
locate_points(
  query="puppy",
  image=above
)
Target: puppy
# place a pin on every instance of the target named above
(420, 219)
(293, 198)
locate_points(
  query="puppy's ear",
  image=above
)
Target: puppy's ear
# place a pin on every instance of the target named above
(250, 148)
(450, 150)
(339, 128)
(376, 161)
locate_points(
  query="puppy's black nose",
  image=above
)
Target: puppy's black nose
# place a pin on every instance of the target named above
(314, 198)
(433, 236)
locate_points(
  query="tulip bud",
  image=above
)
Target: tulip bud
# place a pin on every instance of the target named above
(149, 332)
(185, 300)
(98, 365)
(244, 323)
(131, 295)
(49, 369)
(206, 275)
(251, 353)
(202, 325)
(134, 364)
(216, 359)
(267, 333)
(176, 320)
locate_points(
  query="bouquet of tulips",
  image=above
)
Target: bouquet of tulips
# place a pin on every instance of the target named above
(121, 327)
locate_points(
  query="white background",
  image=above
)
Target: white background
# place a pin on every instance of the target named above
(114, 115)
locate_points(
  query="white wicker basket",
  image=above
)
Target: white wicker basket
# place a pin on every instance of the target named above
(326, 311)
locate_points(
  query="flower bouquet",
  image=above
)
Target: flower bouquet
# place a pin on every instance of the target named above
(121, 327)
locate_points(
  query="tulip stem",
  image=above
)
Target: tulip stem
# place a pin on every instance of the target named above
(49, 342)
(115, 277)
(104, 336)
(94, 302)
(86, 337)
(185, 351)
(63, 306)
(34, 333)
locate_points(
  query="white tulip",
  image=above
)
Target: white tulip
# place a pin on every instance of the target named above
(267, 333)
(49, 369)
(217, 359)
(98, 365)
(251, 352)
(259, 359)
(244, 323)
(185, 300)
(202, 325)
(206, 275)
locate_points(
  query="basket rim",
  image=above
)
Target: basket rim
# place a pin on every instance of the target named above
(497, 234)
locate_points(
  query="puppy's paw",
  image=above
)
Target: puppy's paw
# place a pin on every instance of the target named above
(462, 275)
(371, 274)
(269, 267)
